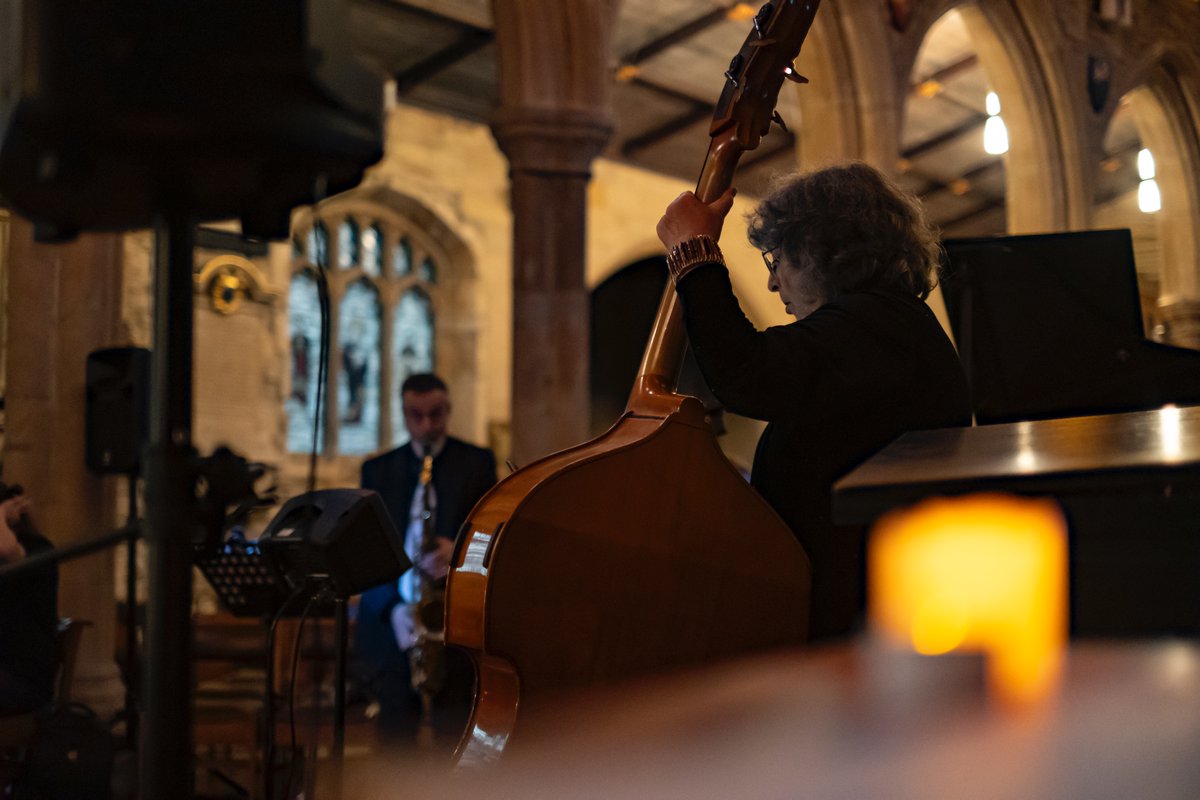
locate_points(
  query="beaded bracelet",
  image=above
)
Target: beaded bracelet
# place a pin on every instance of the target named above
(691, 253)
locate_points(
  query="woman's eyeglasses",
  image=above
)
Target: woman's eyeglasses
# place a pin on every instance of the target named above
(771, 260)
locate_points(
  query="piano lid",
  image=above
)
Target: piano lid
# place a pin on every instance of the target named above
(1050, 326)
(1155, 450)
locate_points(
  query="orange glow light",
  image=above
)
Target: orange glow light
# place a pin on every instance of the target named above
(627, 72)
(929, 88)
(981, 573)
(740, 12)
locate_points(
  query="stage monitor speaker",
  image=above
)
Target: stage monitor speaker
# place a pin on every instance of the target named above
(344, 537)
(118, 420)
(113, 111)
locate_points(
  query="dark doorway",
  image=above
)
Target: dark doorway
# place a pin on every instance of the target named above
(623, 309)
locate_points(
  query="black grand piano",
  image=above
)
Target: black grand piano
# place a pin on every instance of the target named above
(1051, 326)
(1069, 401)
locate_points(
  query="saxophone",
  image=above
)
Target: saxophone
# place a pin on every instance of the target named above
(427, 656)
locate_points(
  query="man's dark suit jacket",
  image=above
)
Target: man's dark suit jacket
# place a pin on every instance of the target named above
(462, 473)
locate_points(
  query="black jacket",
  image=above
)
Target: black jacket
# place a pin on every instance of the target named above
(462, 473)
(834, 388)
(28, 623)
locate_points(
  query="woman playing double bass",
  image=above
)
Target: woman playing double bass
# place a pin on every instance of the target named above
(852, 259)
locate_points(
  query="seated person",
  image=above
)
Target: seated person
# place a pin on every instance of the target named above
(28, 611)
(385, 635)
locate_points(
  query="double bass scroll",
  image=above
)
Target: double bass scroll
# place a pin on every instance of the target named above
(643, 550)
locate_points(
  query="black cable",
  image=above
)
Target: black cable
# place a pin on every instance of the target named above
(322, 372)
(133, 668)
(292, 688)
(269, 709)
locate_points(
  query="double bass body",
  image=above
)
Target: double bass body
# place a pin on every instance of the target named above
(641, 551)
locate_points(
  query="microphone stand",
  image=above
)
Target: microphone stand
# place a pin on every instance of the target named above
(167, 757)
(341, 634)
(132, 667)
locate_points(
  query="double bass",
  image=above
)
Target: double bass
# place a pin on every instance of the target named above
(643, 550)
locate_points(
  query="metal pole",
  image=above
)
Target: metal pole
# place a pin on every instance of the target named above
(132, 667)
(166, 755)
(341, 633)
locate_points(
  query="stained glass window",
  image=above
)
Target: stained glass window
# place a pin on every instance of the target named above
(402, 258)
(358, 376)
(395, 286)
(372, 250)
(318, 245)
(304, 337)
(348, 244)
(411, 350)
(429, 270)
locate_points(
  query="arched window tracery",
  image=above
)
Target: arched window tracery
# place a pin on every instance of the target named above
(384, 325)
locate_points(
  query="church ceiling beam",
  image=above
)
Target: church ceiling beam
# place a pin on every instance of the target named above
(675, 37)
(426, 14)
(966, 128)
(970, 180)
(786, 146)
(947, 72)
(470, 41)
(979, 210)
(697, 113)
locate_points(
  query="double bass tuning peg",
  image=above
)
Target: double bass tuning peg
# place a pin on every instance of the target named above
(790, 73)
(735, 69)
(763, 17)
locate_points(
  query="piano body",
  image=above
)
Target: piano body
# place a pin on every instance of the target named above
(1050, 325)
(1068, 397)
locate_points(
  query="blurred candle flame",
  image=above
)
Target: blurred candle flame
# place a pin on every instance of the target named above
(982, 573)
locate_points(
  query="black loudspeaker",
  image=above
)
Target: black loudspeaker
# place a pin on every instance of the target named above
(343, 537)
(118, 418)
(112, 111)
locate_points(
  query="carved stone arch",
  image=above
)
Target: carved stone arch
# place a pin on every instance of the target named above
(1046, 166)
(1164, 110)
(1045, 186)
(852, 90)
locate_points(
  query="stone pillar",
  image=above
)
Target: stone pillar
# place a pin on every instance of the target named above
(63, 302)
(1178, 323)
(554, 119)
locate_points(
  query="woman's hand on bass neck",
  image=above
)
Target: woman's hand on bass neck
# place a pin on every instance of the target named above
(687, 217)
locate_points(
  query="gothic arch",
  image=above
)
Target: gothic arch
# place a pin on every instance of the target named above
(431, 245)
(852, 91)
(1047, 165)
(1164, 119)
(861, 70)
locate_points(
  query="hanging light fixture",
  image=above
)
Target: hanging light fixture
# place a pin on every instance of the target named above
(1145, 164)
(995, 133)
(1149, 197)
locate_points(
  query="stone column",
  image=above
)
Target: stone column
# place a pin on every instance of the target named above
(554, 119)
(1180, 321)
(64, 301)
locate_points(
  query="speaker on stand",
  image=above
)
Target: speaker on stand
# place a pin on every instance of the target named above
(118, 399)
(116, 430)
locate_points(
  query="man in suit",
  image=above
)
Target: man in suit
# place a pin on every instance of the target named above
(385, 635)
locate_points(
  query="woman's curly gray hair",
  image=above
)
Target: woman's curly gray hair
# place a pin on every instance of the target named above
(849, 229)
